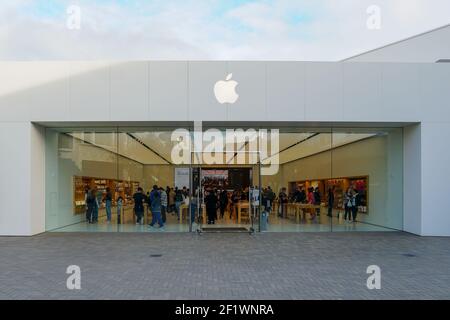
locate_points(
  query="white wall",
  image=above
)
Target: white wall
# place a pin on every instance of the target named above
(426, 47)
(435, 155)
(412, 173)
(183, 91)
(37, 174)
(15, 181)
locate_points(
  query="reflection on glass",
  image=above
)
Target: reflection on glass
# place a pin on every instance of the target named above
(340, 179)
(296, 193)
(368, 175)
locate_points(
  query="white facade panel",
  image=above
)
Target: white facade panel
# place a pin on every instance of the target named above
(15, 95)
(435, 92)
(168, 91)
(203, 104)
(400, 90)
(129, 91)
(324, 91)
(37, 179)
(428, 47)
(286, 91)
(15, 187)
(251, 78)
(412, 183)
(50, 98)
(89, 91)
(435, 155)
(362, 92)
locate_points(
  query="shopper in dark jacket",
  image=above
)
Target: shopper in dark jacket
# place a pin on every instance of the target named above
(283, 201)
(139, 200)
(330, 201)
(155, 207)
(91, 203)
(317, 200)
(223, 202)
(269, 197)
(108, 203)
(211, 206)
(355, 204)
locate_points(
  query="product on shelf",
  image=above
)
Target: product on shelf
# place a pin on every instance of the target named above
(81, 184)
(341, 184)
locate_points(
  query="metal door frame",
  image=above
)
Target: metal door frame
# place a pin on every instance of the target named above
(199, 216)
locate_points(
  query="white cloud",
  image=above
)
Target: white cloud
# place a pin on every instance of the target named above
(183, 30)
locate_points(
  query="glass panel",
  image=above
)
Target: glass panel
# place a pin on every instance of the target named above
(367, 179)
(226, 173)
(148, 161)
(297, 188)
(293, 160)
(79, 163)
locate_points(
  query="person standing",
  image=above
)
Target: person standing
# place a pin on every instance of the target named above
(297, 196)
(194, 205)
(355, 204)
(108, 203)
(302, 195)
(255, 196)
(223, 202)
(90, 203)
(234, 202)
(164, 204)
(211, 206)
(152, 194)
(169, 200)
(86, 195)
(139, 199)
(330, 201)
(179, 199)
(269, 199)
(119, 209)
(155, 207)
(317, 200)
(348, 201)
(97, 202)
(283, 199)
(311, 201)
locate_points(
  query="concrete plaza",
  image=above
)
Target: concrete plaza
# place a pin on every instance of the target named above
(225, 266)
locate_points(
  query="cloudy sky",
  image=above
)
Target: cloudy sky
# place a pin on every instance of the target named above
(313, 30)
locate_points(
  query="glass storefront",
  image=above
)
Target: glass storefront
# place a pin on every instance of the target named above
(263, 179)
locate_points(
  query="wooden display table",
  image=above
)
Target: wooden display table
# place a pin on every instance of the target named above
(299, 209)
(185, 207)
(239, 206)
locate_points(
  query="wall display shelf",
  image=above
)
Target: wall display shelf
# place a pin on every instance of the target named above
(81, 184)
(341, 184)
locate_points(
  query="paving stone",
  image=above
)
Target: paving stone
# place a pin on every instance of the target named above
(225, 266)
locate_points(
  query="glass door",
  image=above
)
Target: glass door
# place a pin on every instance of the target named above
(225, 196)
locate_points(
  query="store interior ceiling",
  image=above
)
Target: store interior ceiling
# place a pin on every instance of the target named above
(155, 147)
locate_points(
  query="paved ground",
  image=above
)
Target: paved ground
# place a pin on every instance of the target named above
(225, 266)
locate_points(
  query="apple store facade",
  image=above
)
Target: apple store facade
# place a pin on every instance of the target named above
(234, 146)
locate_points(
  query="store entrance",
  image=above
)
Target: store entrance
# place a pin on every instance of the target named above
(310, 180)
(225, 198)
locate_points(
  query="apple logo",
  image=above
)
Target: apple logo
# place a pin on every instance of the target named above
(225, 91)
